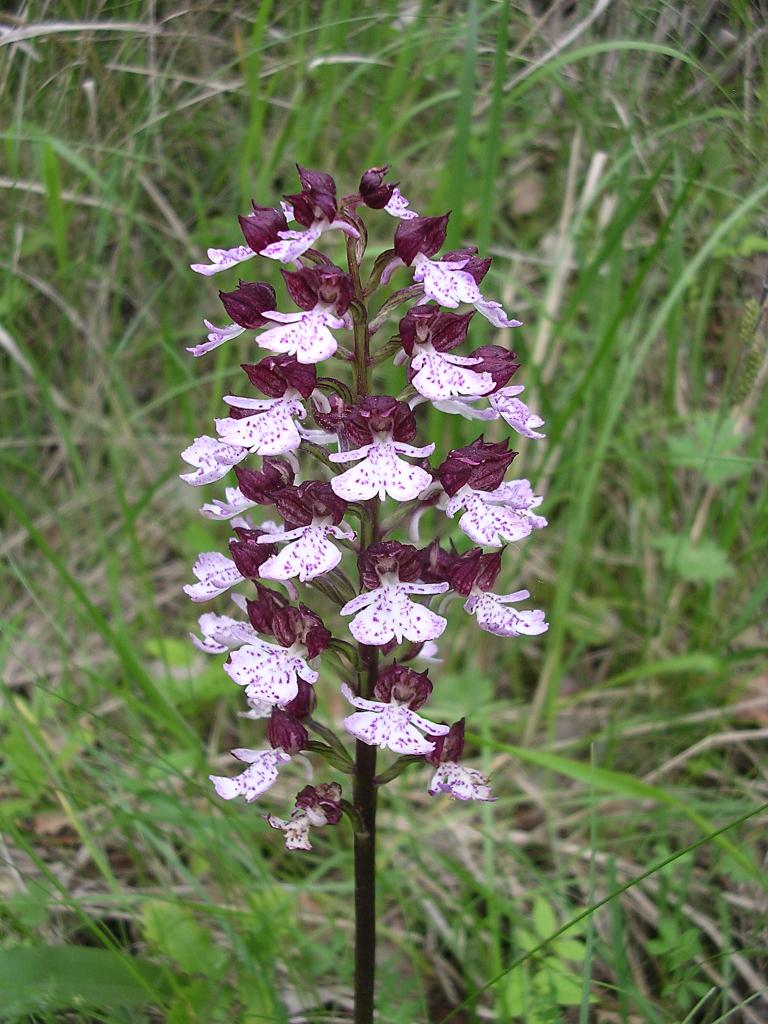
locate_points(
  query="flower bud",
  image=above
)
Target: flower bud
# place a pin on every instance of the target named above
(248, 302)
(286, 733)
(403, 685)
(317, 199)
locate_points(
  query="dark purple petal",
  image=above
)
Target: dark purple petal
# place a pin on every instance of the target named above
(379, 415)
(373, 191)
(275, 374)
(474, 569)
(389, 557)
(328, 285)
(300, 625)
(429, 325)
(286, 733)
(261, 485)
(261, 612)
(481, 464)
(248, 554)
(260, 228)
(404, 685)
(247, 303)
(449, 747)
(305, 701)
(436, 563)
(420, 235)
(499, 362)
(313, 499)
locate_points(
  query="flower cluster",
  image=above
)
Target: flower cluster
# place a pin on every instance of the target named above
(332, 451)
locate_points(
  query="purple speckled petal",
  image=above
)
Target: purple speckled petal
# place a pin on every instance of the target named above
(494, 617)
(272, 432)
(304, 335)
(213, 459)
(294, 244)
(391, 729)
(309, 556)
(216, 336)
(439, 377)
(218, 633)
(465, 407)
(398, 206)
(235, 503)
(495, 314)
(445, 282)
(390, 615)
(215, 573)
(381, 473)
(257, 777)
(516, 413)
(268, 672)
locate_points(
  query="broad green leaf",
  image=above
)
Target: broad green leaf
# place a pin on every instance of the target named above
(544, 919)
(704, 562)
(174, 932)
(49, 978)
(710, 446)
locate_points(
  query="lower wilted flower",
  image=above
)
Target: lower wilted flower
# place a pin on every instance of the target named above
(458, 781)
(315, 807)
(392, 726)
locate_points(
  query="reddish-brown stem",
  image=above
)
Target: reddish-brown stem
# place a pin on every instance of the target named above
(364, 795)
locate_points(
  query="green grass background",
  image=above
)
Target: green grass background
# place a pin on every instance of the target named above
(611, 156)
